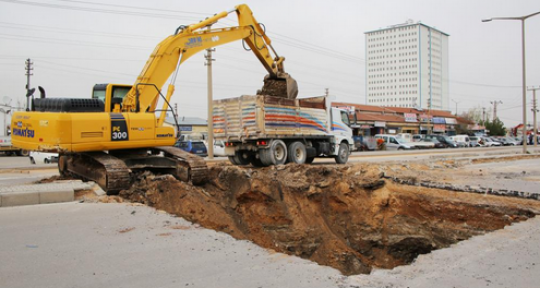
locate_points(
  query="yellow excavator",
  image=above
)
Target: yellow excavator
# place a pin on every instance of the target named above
(117, 132)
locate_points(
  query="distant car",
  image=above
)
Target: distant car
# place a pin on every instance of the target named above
(496, 141)
(395, 143)
(42, 157)
(509, 141)
(475, 141)
(488, 142)
(436, 143)
(443, 139)
(194, 147)
(461, 140)
(423, 144)
(417, 138)
(219, 148)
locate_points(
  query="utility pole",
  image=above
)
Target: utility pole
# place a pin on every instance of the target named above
(210, 121)
(534, 109)
(29, 69)
(484, 116)
(495, 103)
(326, 92)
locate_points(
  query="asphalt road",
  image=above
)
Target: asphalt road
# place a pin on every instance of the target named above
(121, 245)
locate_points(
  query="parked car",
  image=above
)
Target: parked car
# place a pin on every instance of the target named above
(424, 144)
(395, 143)
(42, 157)
(436, 143)
(461, 140)
(445, 140)
(417, 137)
(488, 142)
(194, 147)
(496, 141)
(509, 141)
(475, 141)
(219, 148)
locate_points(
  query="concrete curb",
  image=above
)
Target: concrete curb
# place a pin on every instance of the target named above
(11, 199)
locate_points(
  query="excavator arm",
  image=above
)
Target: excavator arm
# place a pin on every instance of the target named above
(189, 40)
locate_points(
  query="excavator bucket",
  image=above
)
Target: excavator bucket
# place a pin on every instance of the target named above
(281, 86)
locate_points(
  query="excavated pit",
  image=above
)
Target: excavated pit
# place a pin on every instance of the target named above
(347, 217)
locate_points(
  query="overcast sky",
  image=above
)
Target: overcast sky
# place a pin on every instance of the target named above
(75, 44)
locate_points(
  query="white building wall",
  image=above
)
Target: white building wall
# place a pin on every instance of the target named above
(407, 66)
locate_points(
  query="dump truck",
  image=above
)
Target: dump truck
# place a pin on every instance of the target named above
(264, 130)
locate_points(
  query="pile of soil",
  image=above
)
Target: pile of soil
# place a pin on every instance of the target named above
(274, 87)
(345, 216)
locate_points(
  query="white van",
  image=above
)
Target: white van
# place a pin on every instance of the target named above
(395, 143)
(461, 140)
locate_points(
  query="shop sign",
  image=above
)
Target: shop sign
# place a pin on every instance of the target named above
(410, 117)
(439, 127)
(438, 120)
(450, 121)
(379, 124)
(425, 118)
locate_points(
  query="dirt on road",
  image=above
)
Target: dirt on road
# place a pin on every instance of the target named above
(350, 217)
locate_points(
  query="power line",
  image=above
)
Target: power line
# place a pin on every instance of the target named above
(95, 10)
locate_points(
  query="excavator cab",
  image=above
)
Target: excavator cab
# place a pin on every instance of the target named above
(110, 94)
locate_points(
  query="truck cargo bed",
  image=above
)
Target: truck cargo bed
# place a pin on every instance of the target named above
(262, 117)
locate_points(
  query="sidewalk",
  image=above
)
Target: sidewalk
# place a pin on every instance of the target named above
(43, 193)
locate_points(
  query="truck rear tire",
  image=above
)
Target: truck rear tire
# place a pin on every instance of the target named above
(23, 152)
(343, 154)
(256, 161)
(241, 158)
(297, 153)
(275, 154)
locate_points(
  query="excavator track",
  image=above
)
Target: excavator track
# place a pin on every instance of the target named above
(114, 173)
(190, 167)
(107, 171)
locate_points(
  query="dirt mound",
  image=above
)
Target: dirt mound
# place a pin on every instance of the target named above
(347, 217)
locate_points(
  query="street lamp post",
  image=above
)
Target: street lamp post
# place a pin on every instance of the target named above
(522, 19)
(456, 105)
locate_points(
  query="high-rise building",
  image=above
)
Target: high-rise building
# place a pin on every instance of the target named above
(407, 66)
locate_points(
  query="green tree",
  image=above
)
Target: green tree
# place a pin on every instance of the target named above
(495, 127)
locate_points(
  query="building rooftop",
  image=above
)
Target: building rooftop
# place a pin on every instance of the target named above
(406, 25)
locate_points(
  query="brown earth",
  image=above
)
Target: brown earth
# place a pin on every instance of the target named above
(345, 216)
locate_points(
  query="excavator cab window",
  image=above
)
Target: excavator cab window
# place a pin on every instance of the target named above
(118, 92)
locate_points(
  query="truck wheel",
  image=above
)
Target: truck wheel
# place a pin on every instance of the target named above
(23, 153)
(233, 160)
(256, 161)
(46, 161)
(275, 154)
(32, 161)
(297, 153)
(343, 154)
(241, 158)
